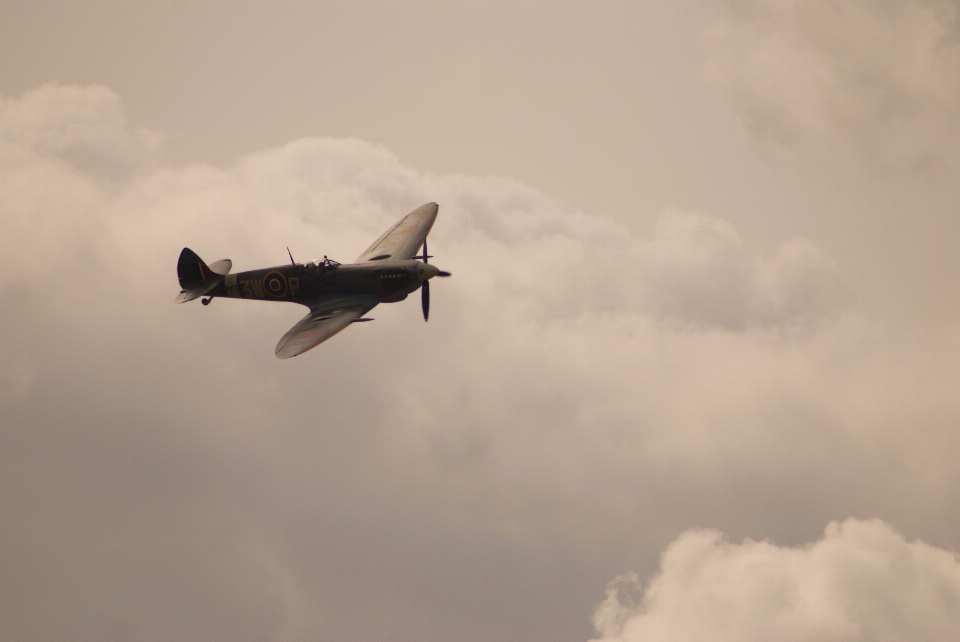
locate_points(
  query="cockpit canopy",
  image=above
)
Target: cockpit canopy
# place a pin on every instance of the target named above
(324, 264)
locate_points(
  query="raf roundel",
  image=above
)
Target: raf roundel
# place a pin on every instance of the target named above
(275, 284)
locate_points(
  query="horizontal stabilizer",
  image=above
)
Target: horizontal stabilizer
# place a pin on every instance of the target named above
(197, 291)
(221, 267)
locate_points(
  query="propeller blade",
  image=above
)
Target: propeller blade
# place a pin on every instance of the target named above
(426, 255)
(443, 273)
(425, 299)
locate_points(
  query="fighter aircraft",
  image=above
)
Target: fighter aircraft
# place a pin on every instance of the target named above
(337, 295)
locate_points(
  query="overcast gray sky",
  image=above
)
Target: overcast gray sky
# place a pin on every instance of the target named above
(694, 378)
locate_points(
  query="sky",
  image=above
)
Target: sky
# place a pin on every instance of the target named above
(694, 377)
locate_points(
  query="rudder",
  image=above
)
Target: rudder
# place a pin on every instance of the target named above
(191, 270)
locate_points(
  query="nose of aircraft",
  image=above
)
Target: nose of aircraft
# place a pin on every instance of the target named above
(425, 272)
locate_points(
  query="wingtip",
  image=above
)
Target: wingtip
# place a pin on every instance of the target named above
(429, 209)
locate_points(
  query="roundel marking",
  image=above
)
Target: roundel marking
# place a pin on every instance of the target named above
(275, 284)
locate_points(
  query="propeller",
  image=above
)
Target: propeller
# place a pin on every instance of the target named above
(425, 299)
(425, 288)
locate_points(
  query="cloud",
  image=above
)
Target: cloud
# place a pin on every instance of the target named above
(697, 270)
(861, 581)
(84, 126)
(163, 475)
(883, 78)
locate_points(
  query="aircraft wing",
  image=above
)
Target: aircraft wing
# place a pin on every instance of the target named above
(403, 239)
(321, 324)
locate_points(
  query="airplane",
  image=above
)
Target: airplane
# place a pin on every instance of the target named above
(338, 295)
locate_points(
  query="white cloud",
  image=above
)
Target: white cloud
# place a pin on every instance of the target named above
(697, 270)
(84, 126)
(884, 77)
(861, 581)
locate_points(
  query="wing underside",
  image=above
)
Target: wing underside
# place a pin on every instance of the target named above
(321, 324)
(402, 241)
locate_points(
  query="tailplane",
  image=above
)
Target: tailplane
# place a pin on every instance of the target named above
(196, 277)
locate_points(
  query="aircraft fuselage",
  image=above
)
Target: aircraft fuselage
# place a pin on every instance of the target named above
(306, 284)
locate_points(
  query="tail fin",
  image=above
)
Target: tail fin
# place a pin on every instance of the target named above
(191, 269)
(196, 278)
